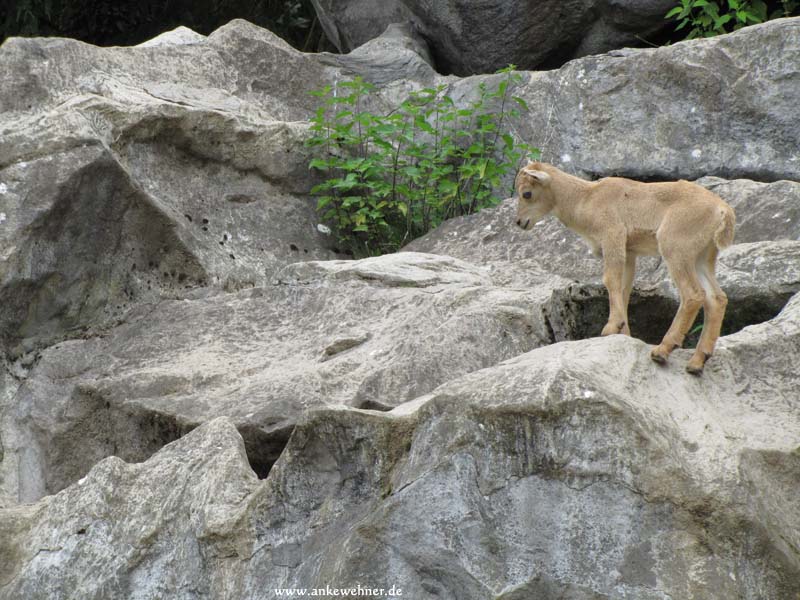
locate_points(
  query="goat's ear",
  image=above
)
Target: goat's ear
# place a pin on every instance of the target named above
(539, 176)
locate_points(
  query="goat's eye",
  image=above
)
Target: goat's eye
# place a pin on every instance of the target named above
(527, 195)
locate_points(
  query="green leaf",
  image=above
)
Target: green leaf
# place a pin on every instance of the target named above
(322, 187)
(318, 163)
(720, 23)
(760, 10)
(521, 102)
(502, 87)
(320, 93)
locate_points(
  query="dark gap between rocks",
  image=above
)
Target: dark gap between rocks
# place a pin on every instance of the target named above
(264, 448)
(370, 404)
(581, 312)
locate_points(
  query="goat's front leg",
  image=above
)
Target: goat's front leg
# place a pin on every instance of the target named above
(627, 283)
(614, 279)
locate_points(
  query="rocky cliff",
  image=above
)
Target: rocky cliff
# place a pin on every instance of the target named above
(200, 398)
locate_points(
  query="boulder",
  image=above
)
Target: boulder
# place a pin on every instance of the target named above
(115, 534)
(416, 419)
(468, 38)
(722, 106)
(581, 470)
(372, 333)
(164, 168)
(397, 54)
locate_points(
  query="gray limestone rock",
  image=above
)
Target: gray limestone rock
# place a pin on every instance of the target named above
(372, 333)
(578, 470)
(161, 169)
(468, 38)
(158, 529)
(166, 299)
(721, 106)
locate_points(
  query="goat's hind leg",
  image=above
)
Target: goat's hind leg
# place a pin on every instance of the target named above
(692, 296)
(713, 311)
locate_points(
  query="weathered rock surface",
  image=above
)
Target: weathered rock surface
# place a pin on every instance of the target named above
(578, 470)
(497, 490)
(372, 333)
(221, 147)
(191, 183)
(154, 530)
(721, 106)
(506, 466)
(468, 38)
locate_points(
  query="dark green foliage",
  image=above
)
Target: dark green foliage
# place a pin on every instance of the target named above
(706, 18)
(110, 22)
(391, 178)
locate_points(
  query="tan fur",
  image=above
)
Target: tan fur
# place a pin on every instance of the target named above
(622, 219)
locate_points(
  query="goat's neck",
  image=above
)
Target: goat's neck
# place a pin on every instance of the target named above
(569, 192)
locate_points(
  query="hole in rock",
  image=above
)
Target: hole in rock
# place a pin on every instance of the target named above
(581, 312)
(264, 448)
(371, 404)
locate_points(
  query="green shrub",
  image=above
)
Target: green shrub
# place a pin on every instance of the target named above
(706, 18)
(391, 178)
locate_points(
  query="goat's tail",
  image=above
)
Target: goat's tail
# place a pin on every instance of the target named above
(723, 236)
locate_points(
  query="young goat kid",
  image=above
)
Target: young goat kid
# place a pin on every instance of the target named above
(622, 219)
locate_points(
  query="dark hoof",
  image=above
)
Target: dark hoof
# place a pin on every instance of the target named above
(657, 358)
(696, 369)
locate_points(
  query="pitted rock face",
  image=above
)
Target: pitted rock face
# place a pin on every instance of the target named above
(175, 325)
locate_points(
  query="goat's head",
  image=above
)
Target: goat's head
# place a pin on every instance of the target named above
(534, 196)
